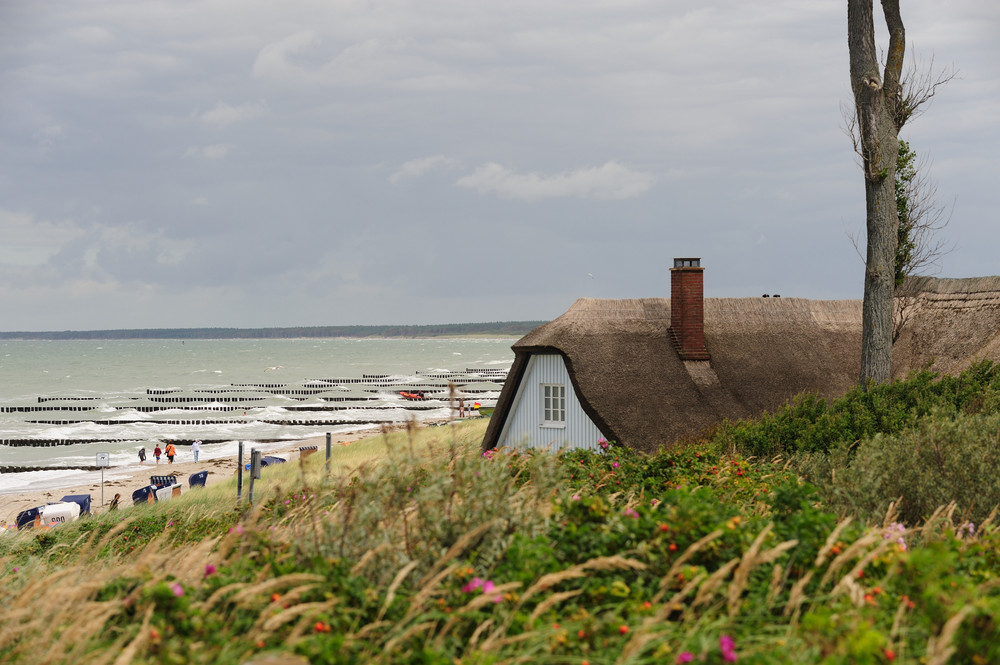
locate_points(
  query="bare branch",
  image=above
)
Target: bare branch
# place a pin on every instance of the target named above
(926, 218)
(918, 86)
(923, 217)
(903, 304)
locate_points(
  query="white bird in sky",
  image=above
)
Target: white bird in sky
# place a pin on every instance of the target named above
(276, 367)
(590, 275)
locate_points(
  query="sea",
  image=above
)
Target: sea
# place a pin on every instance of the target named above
(70, 407)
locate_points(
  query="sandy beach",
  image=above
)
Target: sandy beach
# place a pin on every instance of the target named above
(126, 480)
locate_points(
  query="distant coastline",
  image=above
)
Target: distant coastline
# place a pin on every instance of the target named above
(494, 328)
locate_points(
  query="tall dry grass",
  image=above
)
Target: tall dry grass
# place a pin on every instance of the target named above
(409, 520)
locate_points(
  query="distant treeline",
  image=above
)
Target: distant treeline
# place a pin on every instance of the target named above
(439, 330)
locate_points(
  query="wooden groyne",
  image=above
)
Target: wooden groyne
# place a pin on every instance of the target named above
(315, 404)
(23, 469)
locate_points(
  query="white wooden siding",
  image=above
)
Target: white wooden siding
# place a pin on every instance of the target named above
(524, 429)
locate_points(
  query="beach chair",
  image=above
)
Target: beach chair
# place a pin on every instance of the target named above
(266, 460)
(144, 495)
(198, 479)
(26, 518)
(82, 500)
(306, 451)
(160, 481)
(54, 514)
(166, 492)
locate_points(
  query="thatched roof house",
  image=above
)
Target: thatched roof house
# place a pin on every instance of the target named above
(634, 371)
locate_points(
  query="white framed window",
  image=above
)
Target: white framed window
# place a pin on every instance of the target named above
(553, 405)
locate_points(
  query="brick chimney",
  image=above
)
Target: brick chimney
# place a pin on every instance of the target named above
(687, 309)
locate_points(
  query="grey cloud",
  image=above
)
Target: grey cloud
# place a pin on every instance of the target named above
(610, 181)
(223, 115)
(418, 167)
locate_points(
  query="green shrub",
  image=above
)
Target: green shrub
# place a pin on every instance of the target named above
(940, 461)
(807, 424)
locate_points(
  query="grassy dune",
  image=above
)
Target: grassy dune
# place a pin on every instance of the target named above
(416, 548)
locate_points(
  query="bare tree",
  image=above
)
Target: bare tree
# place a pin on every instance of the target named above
(876, 98)
(882, 105)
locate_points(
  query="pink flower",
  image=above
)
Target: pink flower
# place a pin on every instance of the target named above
(576, 497)
(472, 585)
(177, 589)
(728, 647)
(896, 529)
(209, 569)
(615, 465)
(684, 657)
(486, 585)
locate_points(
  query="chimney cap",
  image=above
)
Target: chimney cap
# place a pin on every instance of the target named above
(687, 262)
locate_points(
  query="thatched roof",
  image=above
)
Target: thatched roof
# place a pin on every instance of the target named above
(953, 323)
(637, 390)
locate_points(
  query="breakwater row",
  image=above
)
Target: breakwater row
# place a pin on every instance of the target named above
(212, 414)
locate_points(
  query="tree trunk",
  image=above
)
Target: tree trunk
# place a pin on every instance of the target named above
(880, 282)
(875, 102)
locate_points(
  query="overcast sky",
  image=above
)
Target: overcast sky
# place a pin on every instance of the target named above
(256, 163)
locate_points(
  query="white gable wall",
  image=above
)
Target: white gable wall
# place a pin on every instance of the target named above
(524, 427)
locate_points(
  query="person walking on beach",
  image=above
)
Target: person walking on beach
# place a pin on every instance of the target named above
(170, 451)
(196, 448)
(114, 502)
(142, 454)
(157, 452)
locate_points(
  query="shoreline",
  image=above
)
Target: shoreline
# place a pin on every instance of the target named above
(125, 480)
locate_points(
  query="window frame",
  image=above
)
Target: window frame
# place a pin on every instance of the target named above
(553, 404)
